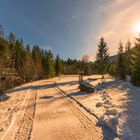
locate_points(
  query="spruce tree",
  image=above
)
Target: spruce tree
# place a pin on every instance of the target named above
(1, 32)
(136, 63)
(113, 69)
(49, 64)
(19, 58)
(36, 54)
(58, 66)
(28, 65)
(102, 56)
(128, 58)
(121, 62)
(11, 38)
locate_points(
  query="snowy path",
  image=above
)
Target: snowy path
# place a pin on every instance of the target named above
(56, 117)
(39, 111)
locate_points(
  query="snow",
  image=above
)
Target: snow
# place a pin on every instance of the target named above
(42, 110)
(38, 111)
(56, 119)
(8, 108)
(119, 103)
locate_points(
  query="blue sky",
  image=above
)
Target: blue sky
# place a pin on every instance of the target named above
(71, 28)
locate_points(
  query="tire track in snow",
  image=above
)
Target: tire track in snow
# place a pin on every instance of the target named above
(13, 122)
(25, 128)
(85, 121)
(109, 133)
(21, 125)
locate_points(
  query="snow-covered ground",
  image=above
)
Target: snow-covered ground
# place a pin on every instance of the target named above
(38, 111)
(115, 102)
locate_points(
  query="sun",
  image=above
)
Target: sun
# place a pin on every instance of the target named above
(137, 27)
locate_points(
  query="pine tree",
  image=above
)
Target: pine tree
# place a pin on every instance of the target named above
(113, 69)
(128, 58)
(102, 57)
(1, 32)
(19, 57)
(11, 38)
(28, 65)
(49, 64)
(136, 63)
(121, 62)
(58, 66)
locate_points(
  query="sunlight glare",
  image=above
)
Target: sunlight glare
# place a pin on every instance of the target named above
(137, 27)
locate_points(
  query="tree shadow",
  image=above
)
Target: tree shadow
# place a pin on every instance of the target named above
(36, 87)
(67, 83)
(47, 85)
(46, 97)
(106, 132)
(3, 97)
(78, 93)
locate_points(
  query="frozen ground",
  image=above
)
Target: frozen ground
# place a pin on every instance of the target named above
(115, 102)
